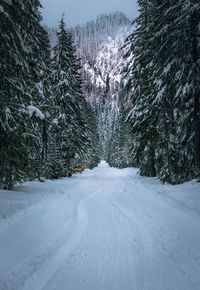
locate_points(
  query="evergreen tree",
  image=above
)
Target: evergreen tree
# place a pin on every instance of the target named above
(21, 61)
(164, 74)
(45, 122)
(70, 135)
(121, 143)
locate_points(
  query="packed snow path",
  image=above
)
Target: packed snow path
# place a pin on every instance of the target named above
(107, 229)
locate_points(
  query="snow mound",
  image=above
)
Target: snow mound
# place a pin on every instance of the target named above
(103, 163)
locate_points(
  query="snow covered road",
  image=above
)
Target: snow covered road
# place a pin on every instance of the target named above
(107, 229)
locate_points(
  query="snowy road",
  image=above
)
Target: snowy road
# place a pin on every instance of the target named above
(106, 229)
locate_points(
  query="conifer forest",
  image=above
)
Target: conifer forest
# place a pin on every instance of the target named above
(100, 149)
(69, 96)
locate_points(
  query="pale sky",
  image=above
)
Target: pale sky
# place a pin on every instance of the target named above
(81, 11)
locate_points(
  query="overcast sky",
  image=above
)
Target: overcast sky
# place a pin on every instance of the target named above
(81, 11)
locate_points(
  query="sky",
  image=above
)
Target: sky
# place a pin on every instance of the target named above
(81, 11)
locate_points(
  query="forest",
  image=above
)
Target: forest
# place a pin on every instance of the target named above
(129, 94)
(100, 146)
(45, 121)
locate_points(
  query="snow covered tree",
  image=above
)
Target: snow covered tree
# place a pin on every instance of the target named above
(121, 143)
(21, 62)
(44, 118)
(70, 135)
(164, 81)
(139, 85)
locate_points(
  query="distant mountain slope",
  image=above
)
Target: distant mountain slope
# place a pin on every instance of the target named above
(99, 45)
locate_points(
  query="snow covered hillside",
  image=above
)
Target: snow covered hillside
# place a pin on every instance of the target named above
(99, 45)
(104, 84)
(106, 229)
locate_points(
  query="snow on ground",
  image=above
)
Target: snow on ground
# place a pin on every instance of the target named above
(106, 229)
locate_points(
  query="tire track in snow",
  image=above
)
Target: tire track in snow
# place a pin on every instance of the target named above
(18, 260)
(40, 279)
(130, 250)
(122, 237)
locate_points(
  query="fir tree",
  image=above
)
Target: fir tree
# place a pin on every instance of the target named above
(70, 133)
(21, 62)
(164, 74)
(121, 143)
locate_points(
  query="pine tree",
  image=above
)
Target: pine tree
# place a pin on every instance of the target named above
(44, 119)
(121, 143)
(70, 133)
(139, 84)
(21, 61)
(164, 72)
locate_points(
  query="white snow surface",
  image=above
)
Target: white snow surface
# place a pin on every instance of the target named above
(33, 110)
(105, 229)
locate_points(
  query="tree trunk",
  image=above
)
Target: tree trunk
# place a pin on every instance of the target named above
(196, 59)
(44, 141)
(152, 160)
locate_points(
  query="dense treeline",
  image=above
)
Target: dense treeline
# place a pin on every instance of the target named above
(46, 126)
(121, 142)
(164, 81)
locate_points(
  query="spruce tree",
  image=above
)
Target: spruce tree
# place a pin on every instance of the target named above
(164, 81)
(21, 61)
(121, 143)
(70, 132)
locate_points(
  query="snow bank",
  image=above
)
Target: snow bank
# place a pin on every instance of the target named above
(186, 195)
